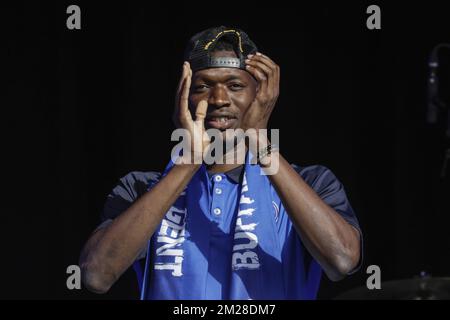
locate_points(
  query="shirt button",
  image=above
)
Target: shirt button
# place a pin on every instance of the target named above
(218, 190)
(217, 211)
(218, 178)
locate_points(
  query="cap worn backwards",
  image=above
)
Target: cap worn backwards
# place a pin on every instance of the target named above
(200, 46)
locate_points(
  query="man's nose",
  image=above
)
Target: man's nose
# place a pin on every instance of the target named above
(219, 97)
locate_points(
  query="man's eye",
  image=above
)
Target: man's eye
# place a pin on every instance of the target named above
(200, 87)
(236, 86)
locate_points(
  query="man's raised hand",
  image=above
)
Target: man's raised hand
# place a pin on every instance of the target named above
(182, 118)
(267, 73)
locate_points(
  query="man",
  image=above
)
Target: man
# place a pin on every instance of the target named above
(225, 231)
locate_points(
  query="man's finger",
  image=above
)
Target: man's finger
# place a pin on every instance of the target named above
(264, 59)
(255, 63)
(183, 75)
(259, 76)
(184, 99)
(200, 112)
(180, 87)
(275, 69)
(269, 73)
(177, 100)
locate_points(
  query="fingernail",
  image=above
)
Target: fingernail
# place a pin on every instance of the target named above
(247, 60)
(258, 54)
(248, 67)
(250, 55)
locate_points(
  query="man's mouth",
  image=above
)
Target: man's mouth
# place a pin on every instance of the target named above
(221, 123)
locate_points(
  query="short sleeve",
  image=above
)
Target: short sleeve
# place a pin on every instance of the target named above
(332, 192)
(128, 190)
(122, 196)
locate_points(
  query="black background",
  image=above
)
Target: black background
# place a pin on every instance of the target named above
(82, 108)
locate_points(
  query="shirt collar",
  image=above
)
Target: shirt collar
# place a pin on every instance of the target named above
(233, 174)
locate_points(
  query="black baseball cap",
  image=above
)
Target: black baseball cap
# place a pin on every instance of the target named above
(198, 50)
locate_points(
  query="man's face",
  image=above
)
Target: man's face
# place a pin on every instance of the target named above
(228, 91)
